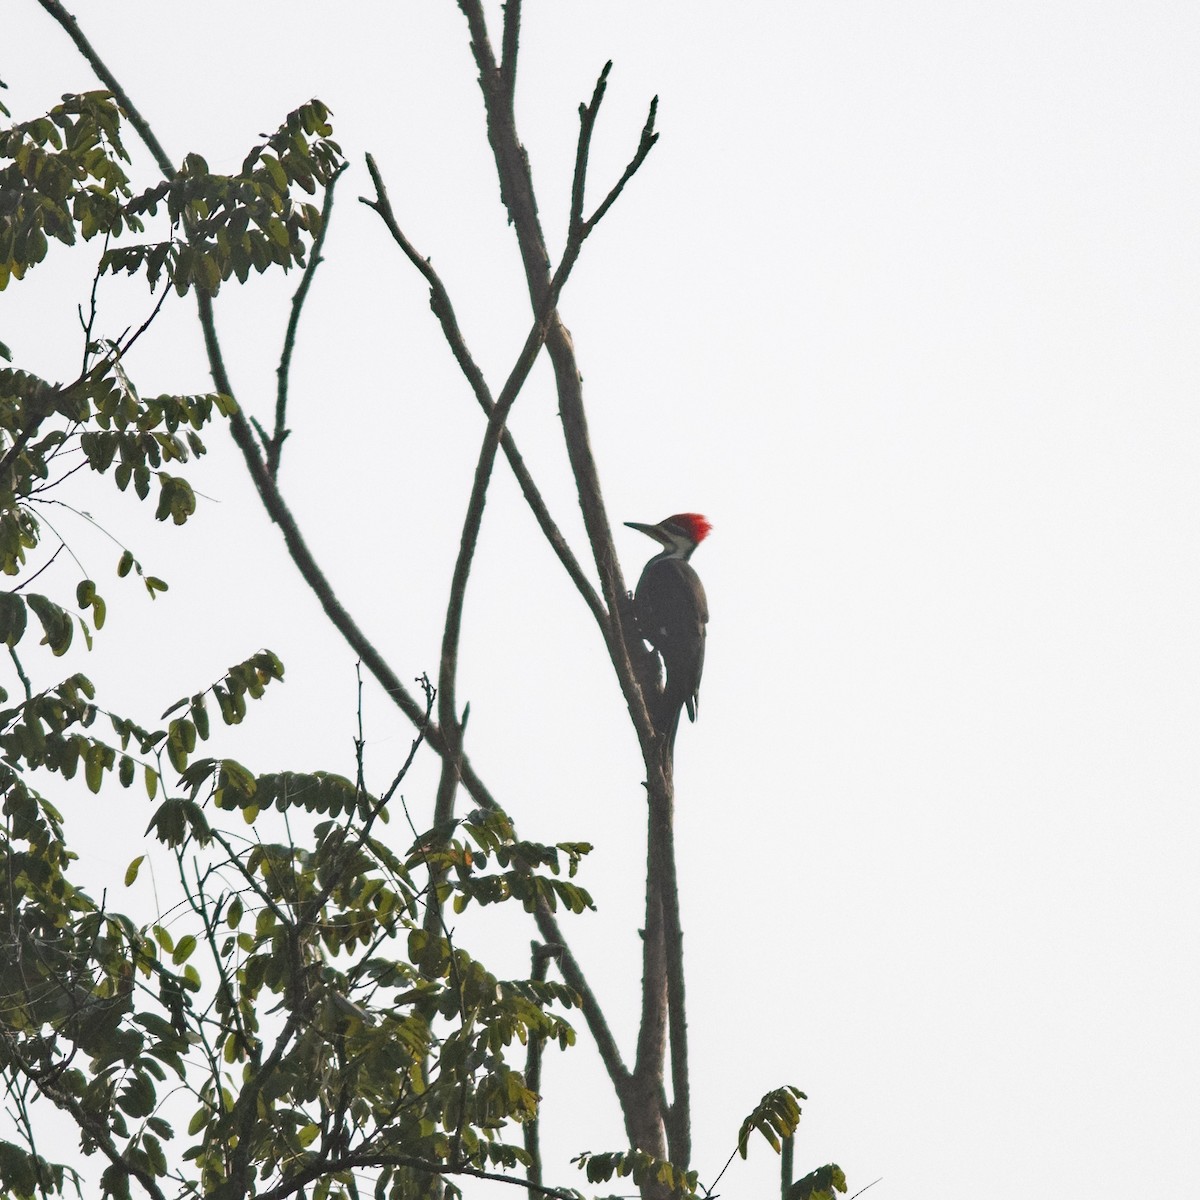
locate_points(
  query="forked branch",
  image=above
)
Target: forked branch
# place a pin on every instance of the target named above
(587, 124)
(443, 309)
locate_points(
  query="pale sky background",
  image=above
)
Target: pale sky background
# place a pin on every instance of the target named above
(906, 301)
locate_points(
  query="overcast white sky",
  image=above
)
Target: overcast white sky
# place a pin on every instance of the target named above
(906, 301)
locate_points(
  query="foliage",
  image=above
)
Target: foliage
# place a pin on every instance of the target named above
(60, 175)
(820, 1184)
(237, 222)
(302, 1015)
(645, 1171)
(776, 1116)
(317, 1016)
(317, 1022)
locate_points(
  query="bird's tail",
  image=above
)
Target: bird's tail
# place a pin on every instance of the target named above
(670, 710)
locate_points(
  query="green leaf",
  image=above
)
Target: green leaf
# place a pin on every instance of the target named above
(181, 741)
(85, 597)
(131, 872)
(137, 1098)
(175, 498)
(174, 708)
(183, 949)
(13, 618)
(199, 714)
(56, 624)
(93, 769)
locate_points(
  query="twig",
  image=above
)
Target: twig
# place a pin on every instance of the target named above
(37, 416)
(46, 565)
(119, 350)
(89, 324)
(452, 728)
(708, 1191)
(62, 544)
(497, 416)
(645, 145)
(359, 742)
(198, 900)
(430, 693)
(863, 1189)
(274, 444)
(587, 124)
(517, 191)
(34, 494)
(439, 298)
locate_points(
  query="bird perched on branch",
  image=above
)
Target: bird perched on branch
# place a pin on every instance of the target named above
(671, 612)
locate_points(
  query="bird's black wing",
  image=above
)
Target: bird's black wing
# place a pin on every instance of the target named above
(672, 611)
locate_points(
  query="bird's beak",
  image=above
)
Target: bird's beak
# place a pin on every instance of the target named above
(649, 530)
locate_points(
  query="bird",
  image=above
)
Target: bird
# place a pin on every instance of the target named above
(672, 612)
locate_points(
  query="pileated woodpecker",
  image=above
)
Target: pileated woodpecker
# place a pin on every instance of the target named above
(671, 612)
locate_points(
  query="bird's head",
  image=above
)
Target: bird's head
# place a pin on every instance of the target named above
(680, 534)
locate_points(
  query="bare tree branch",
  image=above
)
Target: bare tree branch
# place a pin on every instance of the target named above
(439, 302)
(451, 725)
(593, 1014)
(645, 145)
(439, 298)
(483, 473)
